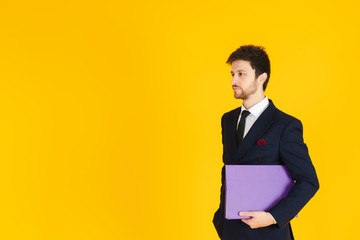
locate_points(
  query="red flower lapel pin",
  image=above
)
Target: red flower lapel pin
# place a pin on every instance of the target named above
(261, 142)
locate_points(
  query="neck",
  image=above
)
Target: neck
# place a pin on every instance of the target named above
(252, 100)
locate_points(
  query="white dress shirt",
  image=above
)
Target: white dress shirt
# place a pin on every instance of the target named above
(255, 112)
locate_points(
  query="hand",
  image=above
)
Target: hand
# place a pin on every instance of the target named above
(258, 219)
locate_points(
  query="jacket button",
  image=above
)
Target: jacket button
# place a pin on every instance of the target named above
(259, 159)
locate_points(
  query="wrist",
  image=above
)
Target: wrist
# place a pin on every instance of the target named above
(274, 221)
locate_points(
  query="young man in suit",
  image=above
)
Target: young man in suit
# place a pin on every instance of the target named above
(282, 144)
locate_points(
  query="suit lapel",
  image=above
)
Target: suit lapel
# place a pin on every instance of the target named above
(256, 131)
(232, 134)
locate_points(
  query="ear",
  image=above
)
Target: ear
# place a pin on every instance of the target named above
(262, 77)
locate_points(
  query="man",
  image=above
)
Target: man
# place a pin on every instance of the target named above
(282, 144)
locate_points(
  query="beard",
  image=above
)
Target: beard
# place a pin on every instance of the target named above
(245, 93)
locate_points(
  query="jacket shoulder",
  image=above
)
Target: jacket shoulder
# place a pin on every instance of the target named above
(284, 118)
(231, 113)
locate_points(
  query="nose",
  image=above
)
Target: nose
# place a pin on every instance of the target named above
(234, 81)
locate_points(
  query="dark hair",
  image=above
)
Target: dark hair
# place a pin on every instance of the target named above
(257, 57)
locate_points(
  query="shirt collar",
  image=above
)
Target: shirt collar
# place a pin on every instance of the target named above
(258, 108)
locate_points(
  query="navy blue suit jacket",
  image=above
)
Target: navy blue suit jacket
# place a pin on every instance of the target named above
(285, 146)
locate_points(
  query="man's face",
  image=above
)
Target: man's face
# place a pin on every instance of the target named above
(244, 82)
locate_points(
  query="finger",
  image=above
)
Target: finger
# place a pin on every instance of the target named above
(249, 223)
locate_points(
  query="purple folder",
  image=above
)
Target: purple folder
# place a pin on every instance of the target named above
(254, 188)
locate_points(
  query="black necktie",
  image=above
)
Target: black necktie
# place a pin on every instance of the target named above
(241, 127)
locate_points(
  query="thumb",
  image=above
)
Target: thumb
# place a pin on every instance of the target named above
(246, 214)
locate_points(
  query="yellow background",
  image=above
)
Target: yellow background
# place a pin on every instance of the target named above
(110, 112)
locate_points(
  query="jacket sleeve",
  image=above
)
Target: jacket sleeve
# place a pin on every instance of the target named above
(218, 218)
(294, 154)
